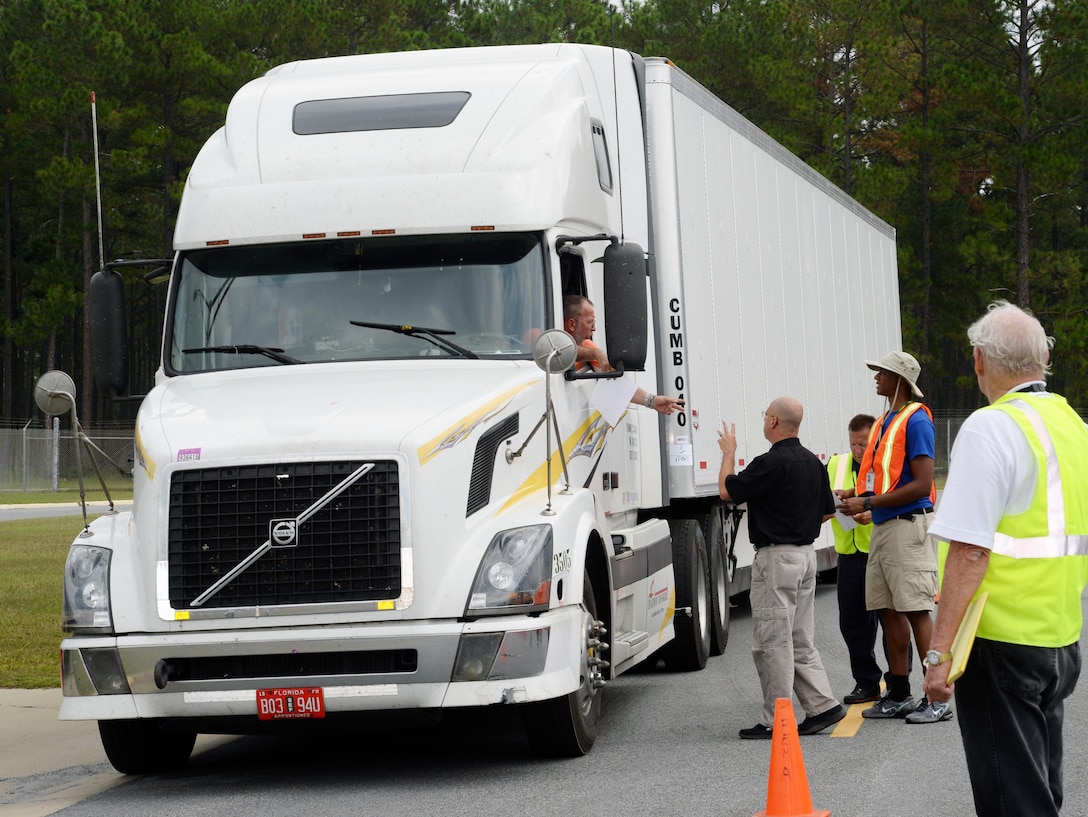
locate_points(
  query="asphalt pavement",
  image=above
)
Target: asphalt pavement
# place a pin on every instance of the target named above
(47, 764)
(37, 753)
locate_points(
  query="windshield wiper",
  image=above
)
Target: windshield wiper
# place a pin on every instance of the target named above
(433, 335)
(246, 349)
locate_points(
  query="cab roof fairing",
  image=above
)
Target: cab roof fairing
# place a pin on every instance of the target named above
(518, 156)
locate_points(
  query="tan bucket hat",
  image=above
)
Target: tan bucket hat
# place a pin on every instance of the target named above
(902, 364)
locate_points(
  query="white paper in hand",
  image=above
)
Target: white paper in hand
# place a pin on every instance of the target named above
(845, 520)
(610, 397)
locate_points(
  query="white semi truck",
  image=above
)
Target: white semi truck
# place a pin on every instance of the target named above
(367, 476)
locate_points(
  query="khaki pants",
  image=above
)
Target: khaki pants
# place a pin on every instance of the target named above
(783, 598)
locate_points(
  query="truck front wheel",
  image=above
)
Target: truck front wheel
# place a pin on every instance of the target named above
(144, 747)
(567, 726)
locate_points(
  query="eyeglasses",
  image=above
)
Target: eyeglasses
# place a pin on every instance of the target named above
(765, 415)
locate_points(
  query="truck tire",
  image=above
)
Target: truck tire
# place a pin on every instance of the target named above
(689, 650)
(567, 726)
(144, 747)
(718, 545)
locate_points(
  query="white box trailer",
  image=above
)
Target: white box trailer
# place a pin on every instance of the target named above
(362, 482)
(771, 282)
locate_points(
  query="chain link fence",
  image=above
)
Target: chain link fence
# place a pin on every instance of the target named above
(39, 458)
(36, 458)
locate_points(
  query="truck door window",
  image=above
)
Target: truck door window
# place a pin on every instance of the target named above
(600, 153)
(572, 272)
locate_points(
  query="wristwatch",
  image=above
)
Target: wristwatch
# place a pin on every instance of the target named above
(933, 658)
(868, 503)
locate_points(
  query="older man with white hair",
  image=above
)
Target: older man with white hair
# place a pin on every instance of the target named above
(1014, 515)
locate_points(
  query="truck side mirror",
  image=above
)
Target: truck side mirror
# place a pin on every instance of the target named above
(109, 342)
(625, 306)
(555, 351)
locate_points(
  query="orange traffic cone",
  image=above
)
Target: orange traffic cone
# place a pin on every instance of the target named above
(787, 783)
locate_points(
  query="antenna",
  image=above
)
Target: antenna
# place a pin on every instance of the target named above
(98, 180)
(616, 104)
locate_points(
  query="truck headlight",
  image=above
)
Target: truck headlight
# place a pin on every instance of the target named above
(87, 590)
(515, 575)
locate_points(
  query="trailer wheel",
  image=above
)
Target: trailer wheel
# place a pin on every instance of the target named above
(718, 545)
(689, 650)
(144, 747)
(567, 726)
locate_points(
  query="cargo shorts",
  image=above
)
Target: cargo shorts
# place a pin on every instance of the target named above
(902, 571)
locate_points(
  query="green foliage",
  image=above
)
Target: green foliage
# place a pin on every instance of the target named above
(936, 114)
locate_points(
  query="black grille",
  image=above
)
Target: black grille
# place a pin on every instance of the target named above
(479, 485)
(297, 665)
(347, 551)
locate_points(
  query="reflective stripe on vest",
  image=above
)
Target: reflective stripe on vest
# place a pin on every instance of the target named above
(840, 469)
(1039, 564)
(888, 468)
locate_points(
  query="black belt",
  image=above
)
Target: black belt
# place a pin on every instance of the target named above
(910, 516)
(781, 544)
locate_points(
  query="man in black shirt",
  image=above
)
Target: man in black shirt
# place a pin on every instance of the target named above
(788, 500)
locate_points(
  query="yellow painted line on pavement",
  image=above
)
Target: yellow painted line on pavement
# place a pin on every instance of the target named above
(848, 727)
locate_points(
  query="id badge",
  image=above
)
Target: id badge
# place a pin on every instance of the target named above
(870, 482)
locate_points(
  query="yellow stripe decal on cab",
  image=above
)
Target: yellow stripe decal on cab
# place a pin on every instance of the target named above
(457, 433)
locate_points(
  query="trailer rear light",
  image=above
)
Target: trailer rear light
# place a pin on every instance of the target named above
(313, 235)
(349, 233)
(483, 228)
(219, 242)
(383, 232)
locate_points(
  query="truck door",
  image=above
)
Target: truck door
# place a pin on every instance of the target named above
(616, 476)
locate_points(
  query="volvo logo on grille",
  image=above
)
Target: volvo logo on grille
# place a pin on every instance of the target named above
(282, 533)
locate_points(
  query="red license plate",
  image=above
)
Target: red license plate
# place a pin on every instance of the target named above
(290, 703)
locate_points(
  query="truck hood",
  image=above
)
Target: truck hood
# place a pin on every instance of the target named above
(322, 409)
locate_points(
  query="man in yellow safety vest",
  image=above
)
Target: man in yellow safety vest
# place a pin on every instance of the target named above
(1014, 521)
(857, 624)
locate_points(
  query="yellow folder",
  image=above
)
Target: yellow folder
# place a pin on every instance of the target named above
(965, 635)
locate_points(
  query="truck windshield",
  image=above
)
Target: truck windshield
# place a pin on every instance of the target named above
(395, 297)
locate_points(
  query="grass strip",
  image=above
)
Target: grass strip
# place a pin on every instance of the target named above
(31, 587)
